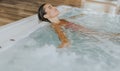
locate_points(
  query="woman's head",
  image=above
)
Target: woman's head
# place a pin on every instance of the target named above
(47, 11)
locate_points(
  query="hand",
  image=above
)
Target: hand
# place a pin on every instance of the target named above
(67, 44)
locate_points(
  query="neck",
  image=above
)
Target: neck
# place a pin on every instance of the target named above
(54, 20)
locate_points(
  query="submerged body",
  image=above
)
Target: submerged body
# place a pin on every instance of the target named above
(67, 25)
(49, 13)
(74, 27)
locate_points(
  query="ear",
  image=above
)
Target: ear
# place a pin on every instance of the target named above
(46, 16)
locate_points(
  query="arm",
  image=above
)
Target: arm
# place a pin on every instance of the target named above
(76, 27)
(62, 37)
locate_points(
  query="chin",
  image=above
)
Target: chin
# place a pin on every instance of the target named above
(58, 12)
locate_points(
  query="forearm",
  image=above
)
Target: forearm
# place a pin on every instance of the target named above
(89, 31)
(62, 37)
(105, 34)
(64, 41)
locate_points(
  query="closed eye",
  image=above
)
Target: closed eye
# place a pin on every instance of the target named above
(50, 7)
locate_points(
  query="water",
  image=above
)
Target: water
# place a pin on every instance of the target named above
(39, 51)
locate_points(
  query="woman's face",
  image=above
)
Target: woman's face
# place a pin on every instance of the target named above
(51, 11)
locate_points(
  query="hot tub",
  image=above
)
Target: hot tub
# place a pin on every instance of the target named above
(29, 44)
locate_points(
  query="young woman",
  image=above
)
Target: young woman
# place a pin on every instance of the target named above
(49, 13)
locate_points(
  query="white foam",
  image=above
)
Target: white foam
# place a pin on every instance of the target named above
(29, 55)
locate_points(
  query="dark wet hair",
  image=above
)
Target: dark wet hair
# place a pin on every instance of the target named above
(41, 13)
